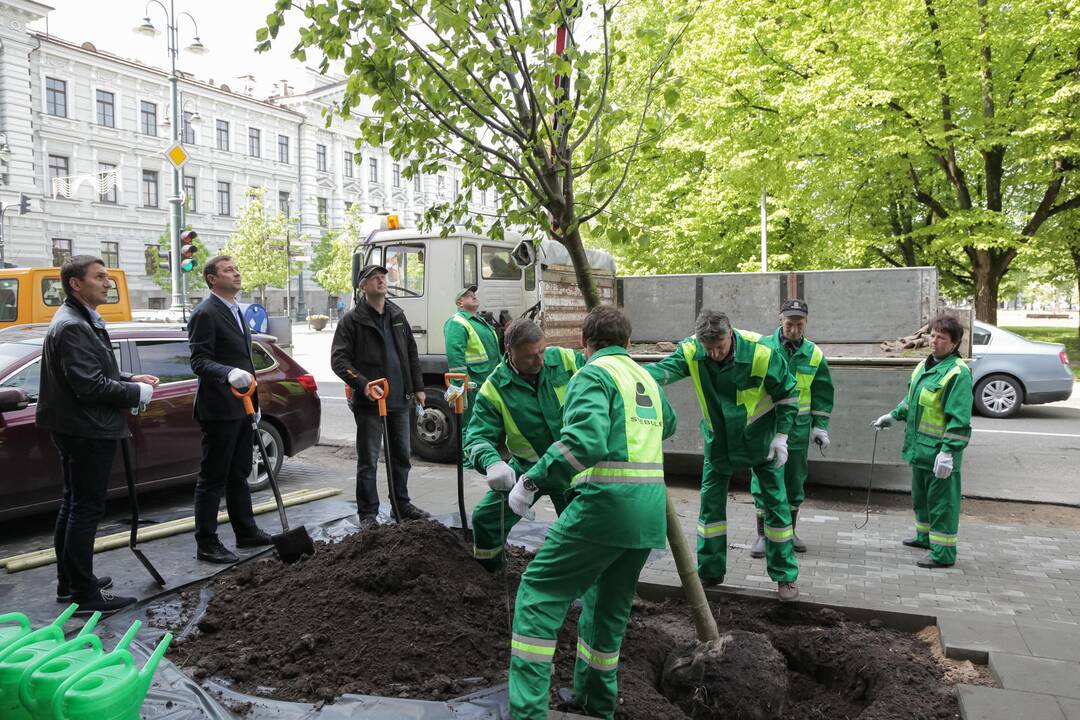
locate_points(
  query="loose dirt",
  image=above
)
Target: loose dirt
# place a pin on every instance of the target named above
(405, 611)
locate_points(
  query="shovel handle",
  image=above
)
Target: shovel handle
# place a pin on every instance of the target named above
(459, 401)
(380, 389)
(249, 407)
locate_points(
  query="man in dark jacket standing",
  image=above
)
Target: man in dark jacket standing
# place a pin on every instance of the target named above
(374, 340)
(84, 402)
(221, 358)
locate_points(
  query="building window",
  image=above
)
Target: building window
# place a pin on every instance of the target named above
(320, 158)
(348, 163)
(324, 221)
(254, 141)
(148, 118)
(190, 194)
(223, 135)
(283, 148)
(348, 206)
(56, 97)
(416, 184)
(112, 194)
(187, 134)
(373, 169)
(283, 203)
(457, 188)
(150, 188)
(441, 185)
(110, 253)
(61, 251)
(58, 166)
(373, 209)
(397, 175)
(418, 219)
(224, 198)
(106, 106)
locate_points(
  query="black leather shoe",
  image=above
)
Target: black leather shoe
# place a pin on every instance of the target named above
(707, 581)
(215, 552)
(912, 542)
(367, 522)
(63, 592)
(411, 512)
(929, 562)
(104, 602)
(258, 539)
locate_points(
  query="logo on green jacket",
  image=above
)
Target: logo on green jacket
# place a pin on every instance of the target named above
(645, 409)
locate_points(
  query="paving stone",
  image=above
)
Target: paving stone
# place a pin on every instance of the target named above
(1071, 708)
(972, 638)
(1051, 640)
(1036, 675)
(983, 703)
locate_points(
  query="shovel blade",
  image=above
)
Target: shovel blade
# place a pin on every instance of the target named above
(293, 544)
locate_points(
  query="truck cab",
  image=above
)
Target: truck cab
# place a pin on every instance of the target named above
(33, 295)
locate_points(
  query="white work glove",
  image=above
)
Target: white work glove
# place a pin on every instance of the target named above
(778, 450)
(521, 500)
(240, 379)
(500, 476)
(453, 393)
(258, 416)
(943, 465)
(146, 394)
(884, 422)
(820, 436)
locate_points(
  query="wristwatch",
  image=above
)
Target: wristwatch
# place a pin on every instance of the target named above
(528, 484)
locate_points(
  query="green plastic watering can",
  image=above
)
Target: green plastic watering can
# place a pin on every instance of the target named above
(109, 688)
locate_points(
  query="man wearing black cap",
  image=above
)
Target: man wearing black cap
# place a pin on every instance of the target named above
(807, 364)
(374, 340)
(472, 346)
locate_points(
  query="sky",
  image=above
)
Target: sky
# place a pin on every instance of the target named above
(226, 28)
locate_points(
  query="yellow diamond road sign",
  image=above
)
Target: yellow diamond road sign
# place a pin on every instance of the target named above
(177, 155)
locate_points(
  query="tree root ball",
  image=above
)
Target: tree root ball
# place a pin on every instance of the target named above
(741, 676)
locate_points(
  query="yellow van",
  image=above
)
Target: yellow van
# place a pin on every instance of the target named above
(32, 295)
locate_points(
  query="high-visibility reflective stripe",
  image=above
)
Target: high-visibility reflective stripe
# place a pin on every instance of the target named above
(689, 349)
(955, 436)
(479, 446)
(766, 404)
(475, 353)
(781, 534)
(624, 465)
(595, 658)
(804, 381)
(532, 649)
(942, 539)
(922, 527)
(626, 477)
(820, 413)
(568, 456)
(486, 553)
(516, 442)
(712, 529)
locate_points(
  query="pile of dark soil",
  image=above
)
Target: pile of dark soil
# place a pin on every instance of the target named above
(404, 611)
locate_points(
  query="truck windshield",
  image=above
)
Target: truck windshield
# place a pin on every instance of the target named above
(404, 270)
(9, 300)
(52, 292)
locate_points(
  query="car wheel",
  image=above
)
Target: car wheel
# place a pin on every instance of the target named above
(435, 432)
(275, 451)
(998, 396)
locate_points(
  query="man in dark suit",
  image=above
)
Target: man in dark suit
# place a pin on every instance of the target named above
(221, 358)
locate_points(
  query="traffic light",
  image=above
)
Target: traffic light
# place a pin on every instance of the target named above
(24, 203)
(164, 259)
(188, 251)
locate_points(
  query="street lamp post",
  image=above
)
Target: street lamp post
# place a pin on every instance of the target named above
(196, 47)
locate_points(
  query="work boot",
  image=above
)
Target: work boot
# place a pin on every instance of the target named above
(788, 591)
(256, 539)
(758, 551)
(63, 592)
(213, 551)
(915, 543)
(929, 562)
(411, 512)
(707, 581)
(797, 542)
(104, 602)
(368, 522)
(568, 698)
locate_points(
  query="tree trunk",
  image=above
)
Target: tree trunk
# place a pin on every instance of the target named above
(988, 267)
(1076, 266)
(586, 283)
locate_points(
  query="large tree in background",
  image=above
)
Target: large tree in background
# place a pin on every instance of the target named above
(257, 245)
(479, 84)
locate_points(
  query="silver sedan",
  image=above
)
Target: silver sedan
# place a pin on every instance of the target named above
(1009, 370)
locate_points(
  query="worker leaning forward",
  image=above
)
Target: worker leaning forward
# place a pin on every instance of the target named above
(748, 403)
(610, 462)
(806, 363)
(937, 410)
(472, 347)
(520, 404)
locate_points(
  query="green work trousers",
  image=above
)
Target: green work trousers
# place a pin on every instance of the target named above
(937, 512)
(604, 577)
(712, 540)
(492, 520)
(794, 481)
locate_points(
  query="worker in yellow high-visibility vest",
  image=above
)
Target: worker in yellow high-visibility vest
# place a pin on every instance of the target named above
(472, 347)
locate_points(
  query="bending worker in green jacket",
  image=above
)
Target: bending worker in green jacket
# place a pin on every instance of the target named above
(472, 347)
(521, 404)
(937, 410)
(748, 404)
(609, 458)
(807, 364)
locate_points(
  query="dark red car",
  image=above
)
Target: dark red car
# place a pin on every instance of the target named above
(165, 436)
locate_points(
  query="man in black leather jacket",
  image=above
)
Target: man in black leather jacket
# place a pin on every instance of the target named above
(374, 341)
(84, 402)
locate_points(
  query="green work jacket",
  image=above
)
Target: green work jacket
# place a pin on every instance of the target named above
(812, 377)
(744, 403)
(937, 410)
(510, 410)
(471, 346)
(609, 457)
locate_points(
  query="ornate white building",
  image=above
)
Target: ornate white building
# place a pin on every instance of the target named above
(101, 124)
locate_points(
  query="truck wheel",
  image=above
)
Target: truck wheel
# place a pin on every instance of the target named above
(998, 396)
(435, 433)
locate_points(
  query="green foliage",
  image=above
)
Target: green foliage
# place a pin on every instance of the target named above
(163, 278)
(258, 244)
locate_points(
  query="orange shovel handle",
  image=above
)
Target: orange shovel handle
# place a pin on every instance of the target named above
(459, 401)
(249, 407)
(380, 389)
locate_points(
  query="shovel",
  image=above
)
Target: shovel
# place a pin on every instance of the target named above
(380, 389)
(129, 473)
(459, 407)
(291, 545)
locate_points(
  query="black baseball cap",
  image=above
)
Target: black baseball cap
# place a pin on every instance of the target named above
(794, 308)
(369, 270)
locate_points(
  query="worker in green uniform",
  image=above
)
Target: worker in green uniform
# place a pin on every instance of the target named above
(472, 347)
(807, 364)
(521, 405)
(609, 460)
(748, 404)
(937, 410)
